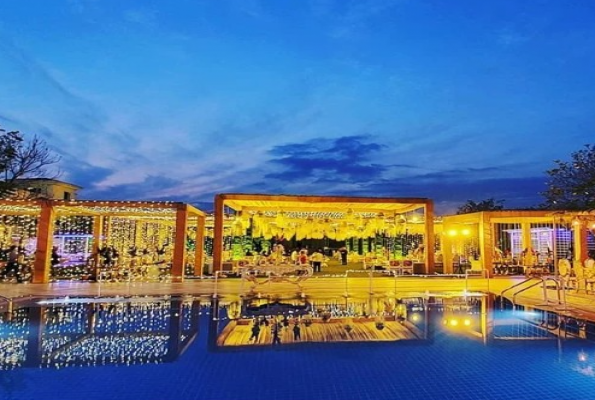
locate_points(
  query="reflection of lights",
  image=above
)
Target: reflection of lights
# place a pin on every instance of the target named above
(465, 232)
(452, 232)
(454, 322)
(582, 356)
(415, 317)
(132, 332)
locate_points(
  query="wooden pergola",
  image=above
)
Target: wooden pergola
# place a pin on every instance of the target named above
(309, 205)
(178, 215)
(482, 227)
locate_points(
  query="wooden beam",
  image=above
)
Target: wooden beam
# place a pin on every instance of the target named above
(200, 246)
(322, 209)
(322, 199)
(179, 259)
(429, 239)
(218, 232)
(486, 244)
(580, 242)
(45, 231)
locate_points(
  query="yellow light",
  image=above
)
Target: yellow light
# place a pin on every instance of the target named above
(452, 232)
(454, 322)
(415, 317)
(467, 322)
(466, 231)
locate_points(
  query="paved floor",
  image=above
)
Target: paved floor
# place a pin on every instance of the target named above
(580, 304)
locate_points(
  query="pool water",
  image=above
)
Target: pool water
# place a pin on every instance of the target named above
(443, 347)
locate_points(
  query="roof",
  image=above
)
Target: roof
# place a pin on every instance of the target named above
(164, 209)
(46, 180)
(301, 203)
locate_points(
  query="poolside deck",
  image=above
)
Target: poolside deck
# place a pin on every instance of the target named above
(579, 304)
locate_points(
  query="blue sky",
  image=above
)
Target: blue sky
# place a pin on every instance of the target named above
(183, 99)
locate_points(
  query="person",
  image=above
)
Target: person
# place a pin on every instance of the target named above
(255, 331)
(275, 331)
(294, 256)
(317, 259)
(55, 257)
(297, 332)
(418, 253)
(343, 252)
(303, 258)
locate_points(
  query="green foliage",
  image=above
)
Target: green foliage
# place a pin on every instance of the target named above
(20, 158)
(571, 185)
(490, 204)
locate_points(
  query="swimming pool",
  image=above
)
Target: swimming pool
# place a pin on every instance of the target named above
(417, 347)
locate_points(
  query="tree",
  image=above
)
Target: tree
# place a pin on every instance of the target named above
(484, 205)
(571, 185)
(20, 159)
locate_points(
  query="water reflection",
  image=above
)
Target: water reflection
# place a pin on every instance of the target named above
(82, 333)
(116, 331)
(259, 321)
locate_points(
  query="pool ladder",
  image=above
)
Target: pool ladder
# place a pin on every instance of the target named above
(543, 281)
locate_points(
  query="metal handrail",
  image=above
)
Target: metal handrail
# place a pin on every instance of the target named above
(540, 281)
(515, 285)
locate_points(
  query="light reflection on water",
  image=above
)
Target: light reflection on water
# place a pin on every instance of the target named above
(188, 335)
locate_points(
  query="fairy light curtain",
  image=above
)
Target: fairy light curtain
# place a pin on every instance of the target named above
(398, 234)
(20, 230)
(542, 242)
(73, 235)
(508, 241)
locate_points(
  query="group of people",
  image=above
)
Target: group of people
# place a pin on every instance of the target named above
(299, 257)
(15, 264)
(276, 327)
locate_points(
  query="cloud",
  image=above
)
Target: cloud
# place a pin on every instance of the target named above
(345, 157)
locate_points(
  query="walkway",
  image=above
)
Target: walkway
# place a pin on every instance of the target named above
(581, 304)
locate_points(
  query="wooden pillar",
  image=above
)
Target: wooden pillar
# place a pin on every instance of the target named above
(179, 260)
(447, 244)
(526, 236)
(45, 236)
(579, 232)
(200, 245)
(218, 234)
(430, 240)
(486, 243)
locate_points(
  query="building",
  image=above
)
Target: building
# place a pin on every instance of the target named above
(46, 188)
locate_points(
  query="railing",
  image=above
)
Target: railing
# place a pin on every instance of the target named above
(536, 281)
(475, 272)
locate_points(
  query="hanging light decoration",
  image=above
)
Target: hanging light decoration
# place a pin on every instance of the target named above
(280, 219)
(380, 222)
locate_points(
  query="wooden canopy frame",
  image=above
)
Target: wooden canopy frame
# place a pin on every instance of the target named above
(48, 210)
(301, 203)
(485, 220)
